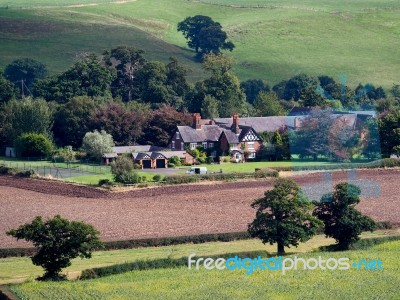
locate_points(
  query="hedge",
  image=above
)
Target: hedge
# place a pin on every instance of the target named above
(154, 242)
(364, 244)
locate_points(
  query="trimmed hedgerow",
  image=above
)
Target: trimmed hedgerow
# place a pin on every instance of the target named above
(154, 242)
(155, 264)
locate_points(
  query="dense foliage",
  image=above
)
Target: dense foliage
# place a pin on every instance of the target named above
(283, 216)
(342, 220)
(57, 241)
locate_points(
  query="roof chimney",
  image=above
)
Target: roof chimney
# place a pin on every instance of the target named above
(196, 121)
(235, 124)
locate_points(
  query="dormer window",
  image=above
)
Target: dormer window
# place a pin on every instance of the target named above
(178, 136)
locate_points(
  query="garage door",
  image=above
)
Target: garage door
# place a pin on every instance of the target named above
(146, 163)
(160, 163)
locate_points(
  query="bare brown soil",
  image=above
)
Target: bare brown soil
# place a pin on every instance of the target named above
(166, 211)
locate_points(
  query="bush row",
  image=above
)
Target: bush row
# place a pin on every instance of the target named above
(156, 264)
(4, 170)
(154, 242)
(178, 179)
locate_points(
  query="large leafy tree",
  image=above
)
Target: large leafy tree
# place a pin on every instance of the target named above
(162, 124)
(123, 124)
(28, 115)
(57, 241)
(389, 131)
(97, 143)
(341, 219)
(27, 70)
(223, 85)
(126, 62)
(292, 88)
(253, 87)
(204, 35)
(283, 216)
(87, 77)
(72, 121)
(7, 89)
(267, 104)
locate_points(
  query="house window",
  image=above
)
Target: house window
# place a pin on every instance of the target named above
(205, 145)
(234, 146)
(211, 145)
(193, 145)
(182, 146)
(252, 155)
(178, 136)
(173, 145)
(250, 145)
(214, 153)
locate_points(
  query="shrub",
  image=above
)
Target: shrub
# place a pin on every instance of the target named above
(137, 166)
(104, 182)
(33, 145)
(171, 165)
(175, 160)
(226, 159)
(209, 160)
(7, 170)
(26, 173)
(178, 179)
(263, 173)
(123, 171)
(157, 177)
(201, 160)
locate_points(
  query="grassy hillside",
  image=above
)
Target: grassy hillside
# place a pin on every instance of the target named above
(181, 283)
(274, 39)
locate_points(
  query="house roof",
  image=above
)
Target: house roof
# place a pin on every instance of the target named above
(206, 133)
(260, 124)
(155, 154)
(137, 148)
(110, 155)
(231, 137)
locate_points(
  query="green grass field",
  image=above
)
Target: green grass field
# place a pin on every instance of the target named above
(181, 283)
(274, 39)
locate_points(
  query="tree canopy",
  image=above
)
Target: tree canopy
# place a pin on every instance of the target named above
(283, 216)
(57, 241)
(205, 35)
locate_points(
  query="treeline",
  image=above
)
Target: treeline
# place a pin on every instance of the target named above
(141, 101)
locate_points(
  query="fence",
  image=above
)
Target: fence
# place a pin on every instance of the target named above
(56, 170)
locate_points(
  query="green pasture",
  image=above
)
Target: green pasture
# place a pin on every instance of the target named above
(274, 39)
(182, 283)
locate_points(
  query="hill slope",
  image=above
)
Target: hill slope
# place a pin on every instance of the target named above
(274, 39)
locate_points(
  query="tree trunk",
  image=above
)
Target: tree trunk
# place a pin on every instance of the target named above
(281, 248)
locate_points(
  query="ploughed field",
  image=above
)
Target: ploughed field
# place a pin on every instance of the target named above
(175, 210)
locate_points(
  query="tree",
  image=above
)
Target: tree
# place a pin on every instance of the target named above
(311, 98)
(72, 120)
(162, 124)
(283, 216)
(209, 107)
(67, 154)
(124, 125)
(389, 131)
(57, 241)
(267, 104)
(341, 219)
(7, 89)
(27, 70)
(126, 62)
(97, 143)
(253, 87)
(204, 35)
(123, 170)
(87, 77)
(292, 88)
(223, 85)
(28, 115)
(33, 145)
